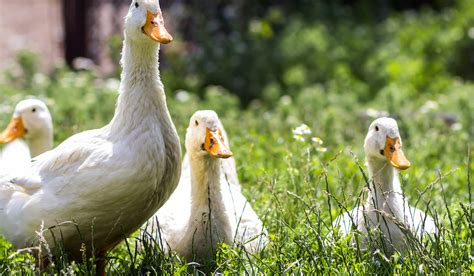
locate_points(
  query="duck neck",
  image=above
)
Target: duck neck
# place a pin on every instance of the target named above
(205, 184)
(40, 143)
(385, 192)
(142, 100)
(209, 219)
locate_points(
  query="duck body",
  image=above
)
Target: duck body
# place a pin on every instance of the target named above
(99, 186)
(15, 158)
(386, 210)
(207, 208)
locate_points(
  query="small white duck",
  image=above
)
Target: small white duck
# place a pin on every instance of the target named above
(101, 185)
(32, 122)
(387, 209)
(207, 207)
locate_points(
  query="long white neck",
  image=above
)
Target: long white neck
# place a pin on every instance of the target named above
(208, 206)
(385, 191)
(142, 100)
(41, 143)
(142, 116)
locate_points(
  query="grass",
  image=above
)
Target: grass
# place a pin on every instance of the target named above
(295, 187)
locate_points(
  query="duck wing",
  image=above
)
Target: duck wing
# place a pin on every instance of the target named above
(419, 221)
(349, 220)
(71, 154)
(250, 230)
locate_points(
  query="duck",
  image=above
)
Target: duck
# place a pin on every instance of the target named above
(208, 207)
(99, 186)
(29, 133)
(386, 210)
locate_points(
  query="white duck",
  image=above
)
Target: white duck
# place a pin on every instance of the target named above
(106, 182)
(207, 207)
(386, 209)
(31, 121)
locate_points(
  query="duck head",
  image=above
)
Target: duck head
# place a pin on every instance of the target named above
(204, 135)
(144, 21)
(383, 142)
(30, 119)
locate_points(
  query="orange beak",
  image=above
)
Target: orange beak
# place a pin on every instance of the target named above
(393, 152)
(215, 145)
(15, 129)
(155, 29)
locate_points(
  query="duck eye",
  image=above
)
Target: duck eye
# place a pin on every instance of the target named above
(376, 128)
(33, 110)
(136, 5)
(196, 122)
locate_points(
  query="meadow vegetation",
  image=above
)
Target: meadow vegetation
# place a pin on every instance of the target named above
(413, 66)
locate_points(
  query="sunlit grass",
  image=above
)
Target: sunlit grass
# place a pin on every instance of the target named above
(297, 188)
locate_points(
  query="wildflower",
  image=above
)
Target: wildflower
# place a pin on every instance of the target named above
(112, 84)
(428, 106)
(302, 130)
(456, 127)
(40, 79)
(182, 96)
(321, 149)
(470, 33)
(374, 113)
(5, 108)
(298, 137)
(317, 140)
(285, 100)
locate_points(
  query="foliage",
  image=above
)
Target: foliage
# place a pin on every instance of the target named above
(261, 50)
(335, 78)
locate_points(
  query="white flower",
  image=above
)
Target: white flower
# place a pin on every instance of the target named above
(112, 84)
(470, 33)
(298, 137)
(285, 100)
(429, 105)
(302, 130)
(321, 149)
(5, 108)
(456, 126)
(317, 140)
(40, 79)
(374, 113)
(182, 96)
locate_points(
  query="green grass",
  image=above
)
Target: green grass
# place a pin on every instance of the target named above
(296, 189)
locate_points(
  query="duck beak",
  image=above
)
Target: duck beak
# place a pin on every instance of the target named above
(15, 129)
(215, 145)
(155, 29)
(393, 152)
